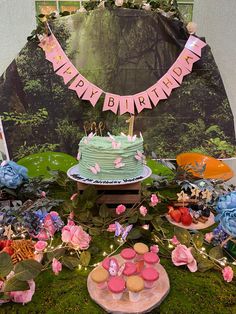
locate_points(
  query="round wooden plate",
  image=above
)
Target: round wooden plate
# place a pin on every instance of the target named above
(149, 298)
(198, 226)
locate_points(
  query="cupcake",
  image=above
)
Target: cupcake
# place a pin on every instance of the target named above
(100, 277)
(116, 285)
(135, 285)
(111, 264)
(140, 249)
(151, 259)
(128, 254)
(149, 275)
(130, 269)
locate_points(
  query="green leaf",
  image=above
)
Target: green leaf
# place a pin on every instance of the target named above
(97, 221)
(27, 269)
(216, 252)
(133, 219)
(94, 231)
(147, 217)
(183, 236)
(70, 262)
(104, 211)
(134, 234)
(204, 265)
(6, 265)
(85, 257)
(13, 284)
(198, 239)
(55, 254)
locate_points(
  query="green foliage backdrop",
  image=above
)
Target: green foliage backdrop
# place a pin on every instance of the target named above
(123, 51)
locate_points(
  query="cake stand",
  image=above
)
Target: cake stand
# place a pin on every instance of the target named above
(149, 298)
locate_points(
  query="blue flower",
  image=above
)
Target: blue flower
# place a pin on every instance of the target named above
(228, 221)
(12, 175)
(226, 202)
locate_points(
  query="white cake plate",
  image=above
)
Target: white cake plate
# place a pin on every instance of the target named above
(198, 226)
(73, 173)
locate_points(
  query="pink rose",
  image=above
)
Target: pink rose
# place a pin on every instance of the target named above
(154, 248)
(56, 266)
(73, 197)
(40, 246)
(182, 255)
(111, 228)
(143, 210)
(23, 296)
(228, 273)
(120, 209)
(192, 28)
(209, 236)
(42, 235)
(48, 227)
(75, 236)
(174, 240)
(43, 194)
(154, 200)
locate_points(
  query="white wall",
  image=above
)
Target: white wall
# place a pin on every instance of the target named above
(216, 21)
(17, 21)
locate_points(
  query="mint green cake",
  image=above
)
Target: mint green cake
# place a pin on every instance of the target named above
(110, 158)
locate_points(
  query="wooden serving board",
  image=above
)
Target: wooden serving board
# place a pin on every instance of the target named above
(149, 298)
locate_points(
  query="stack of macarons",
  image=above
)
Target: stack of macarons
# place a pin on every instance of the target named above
(135, 273)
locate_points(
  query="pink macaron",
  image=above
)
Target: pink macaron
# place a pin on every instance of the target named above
(117, 286)
(128, 254)
(130, 269)
(149, 275)
(151, 259)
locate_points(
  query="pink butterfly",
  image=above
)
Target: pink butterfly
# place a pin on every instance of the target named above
(131, 138)
(121, 269)
(115, 145)
(118, 163)
(78, 156)
(89, 137)
(139, 155)
(95, 169)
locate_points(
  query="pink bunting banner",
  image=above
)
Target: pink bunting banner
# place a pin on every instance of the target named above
(116, 103)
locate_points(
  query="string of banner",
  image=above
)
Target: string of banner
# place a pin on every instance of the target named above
(117, 103)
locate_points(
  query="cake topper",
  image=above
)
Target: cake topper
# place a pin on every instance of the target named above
(131, 125)
(94, 128)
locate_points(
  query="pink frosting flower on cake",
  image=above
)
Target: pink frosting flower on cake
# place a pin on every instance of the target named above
(182, 255)
(154, 248)
(143, 210)
(40, 246)
(56, 266)
(174, 240)
(75, 236)
(228, 273)
(120, 209)
(23, 296)
(111, 228)
(209, 236)
(154, 200)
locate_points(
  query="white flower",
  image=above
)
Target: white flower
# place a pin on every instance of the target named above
(119, 3)
(192, 28)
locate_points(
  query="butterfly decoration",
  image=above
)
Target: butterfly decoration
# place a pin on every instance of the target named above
(96, 169)
(207, 195)
(183, 197)
(118, 163)
(139, 156)
(78, 156)
(131, 138)
(121, 269)
(113, 267)
(8, 232)
(116, 145)
(89, 137)
(122, 231)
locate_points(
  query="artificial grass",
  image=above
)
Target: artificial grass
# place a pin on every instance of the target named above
(190, 293)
